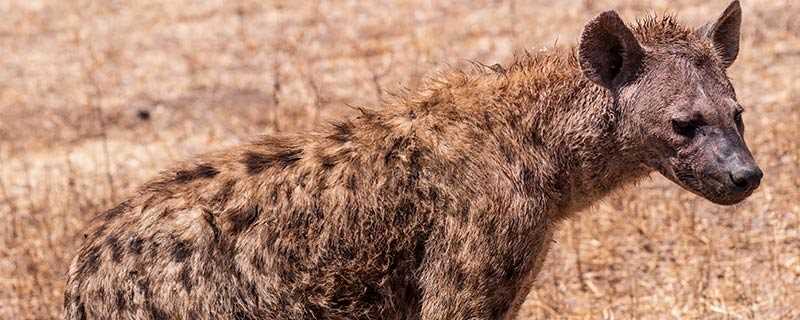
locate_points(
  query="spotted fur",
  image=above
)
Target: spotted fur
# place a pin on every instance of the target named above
(440, 205)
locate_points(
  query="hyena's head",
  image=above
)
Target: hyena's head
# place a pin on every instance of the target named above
(675, 100)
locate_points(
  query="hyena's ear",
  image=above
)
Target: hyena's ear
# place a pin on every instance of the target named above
(608, 52)
(724, 33)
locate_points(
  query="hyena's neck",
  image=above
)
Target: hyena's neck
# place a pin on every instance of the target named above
(538, 121)
(570, 133)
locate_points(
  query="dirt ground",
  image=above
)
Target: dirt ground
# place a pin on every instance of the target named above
(97, 96)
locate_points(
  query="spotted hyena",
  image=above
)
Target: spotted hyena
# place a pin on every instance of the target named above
(439, 206)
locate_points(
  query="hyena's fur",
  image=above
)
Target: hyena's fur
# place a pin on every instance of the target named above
(439, 206)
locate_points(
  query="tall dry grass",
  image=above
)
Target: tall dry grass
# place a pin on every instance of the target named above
(97, 96)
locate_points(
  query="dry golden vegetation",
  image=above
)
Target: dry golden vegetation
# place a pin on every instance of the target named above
(97, 96)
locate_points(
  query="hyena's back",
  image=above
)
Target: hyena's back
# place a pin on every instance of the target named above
(282, 228)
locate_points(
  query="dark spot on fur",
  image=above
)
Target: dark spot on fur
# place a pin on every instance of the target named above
(201, 171)
(257, 261)
(241, 221)
(97, 233)
(241, 315)
(121, 301)
(136, 245)
(371, 295)
(144, 286)
(154, 245)
(114, 247)
(206, 270)
(67, 298)
(460, 277)
(507, 152)
(156, 313)
(116, 211)
(327, 162)
(257, 162)
(488, 122)
(432, 195)
(186, 278)
(397, 145)
(208, 216)
(221, 198)
(533, 139)
(420, 250)
(425, 105)
(465, 208)
(414, 167)
(252, 289)
(80, 312)
(165, 213)
(343, 154)
(237, 273)
(497, 68)
(342, 131)
(273, 195)
(153, 198)
(316, 210)
(301, 179)
(499, 310)
(181, 251)
(528, 179)
(462, 211)
(341, 301)
(437, 128)
(288, 275)
(100, 294)
(512, 268)
(514, 122)
(352, 183)
(405, 210)
(320, 184)
(90, 262)
(288, 192)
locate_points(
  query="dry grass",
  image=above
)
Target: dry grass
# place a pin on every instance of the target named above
(97, 96)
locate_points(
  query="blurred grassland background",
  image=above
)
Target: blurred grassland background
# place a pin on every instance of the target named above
(97, 96)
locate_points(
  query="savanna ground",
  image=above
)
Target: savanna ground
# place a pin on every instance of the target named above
(97, 96)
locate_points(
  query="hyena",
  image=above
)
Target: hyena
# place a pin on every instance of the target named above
(440, 205)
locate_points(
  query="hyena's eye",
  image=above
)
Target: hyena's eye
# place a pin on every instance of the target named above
(686, 127)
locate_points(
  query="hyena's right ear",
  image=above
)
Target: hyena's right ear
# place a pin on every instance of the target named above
(608, 53)
(724, 33)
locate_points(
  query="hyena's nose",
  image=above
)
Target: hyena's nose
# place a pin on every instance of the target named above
(746, 178)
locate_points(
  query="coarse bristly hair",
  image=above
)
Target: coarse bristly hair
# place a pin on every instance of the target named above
(439, 205)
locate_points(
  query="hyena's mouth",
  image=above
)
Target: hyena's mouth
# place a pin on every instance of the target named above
(688, 179)
(708, 186)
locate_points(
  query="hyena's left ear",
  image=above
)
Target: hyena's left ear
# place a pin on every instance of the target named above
(724, 33)
(608, 52)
